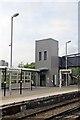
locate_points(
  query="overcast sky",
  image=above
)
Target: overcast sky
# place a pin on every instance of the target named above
(36, 21)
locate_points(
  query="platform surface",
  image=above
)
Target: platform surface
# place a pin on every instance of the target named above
(37, 92)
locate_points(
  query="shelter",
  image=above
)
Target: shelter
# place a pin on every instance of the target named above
(64, 77)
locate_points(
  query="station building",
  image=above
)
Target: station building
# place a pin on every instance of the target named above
(46, 61)
(79, 26)
(3, 63)
(51, 67)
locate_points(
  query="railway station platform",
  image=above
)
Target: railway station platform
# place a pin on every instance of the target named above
(36, 92)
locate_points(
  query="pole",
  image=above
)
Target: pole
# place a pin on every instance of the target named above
(5, 83)
(60, 80)
(11, 40)
(66, 60)
(15, 15)
(11, 52)
(66, 64)
(21, 83)
(31, 84)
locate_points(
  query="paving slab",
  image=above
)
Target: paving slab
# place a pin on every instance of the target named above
(36, 92)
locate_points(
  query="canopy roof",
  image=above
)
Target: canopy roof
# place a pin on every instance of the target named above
(24, 69)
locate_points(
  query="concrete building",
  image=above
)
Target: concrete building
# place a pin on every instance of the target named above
(79, 26)
(46, 59)
(3, 63)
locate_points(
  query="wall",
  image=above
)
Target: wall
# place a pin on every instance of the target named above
(51, 46)
(79, 26)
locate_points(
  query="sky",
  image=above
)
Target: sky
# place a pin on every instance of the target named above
(38, 19)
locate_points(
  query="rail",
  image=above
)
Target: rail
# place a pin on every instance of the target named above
(46, 107)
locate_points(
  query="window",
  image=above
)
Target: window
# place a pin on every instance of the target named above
(40, 56)
(45, 55)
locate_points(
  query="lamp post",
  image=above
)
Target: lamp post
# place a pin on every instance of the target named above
(66, 60)
(15, 15)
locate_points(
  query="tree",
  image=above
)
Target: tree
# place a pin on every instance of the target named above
(76, 75)
(31, 65)
(21, 65)
(76, 71)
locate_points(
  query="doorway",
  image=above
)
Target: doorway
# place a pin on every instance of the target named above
(42, 80)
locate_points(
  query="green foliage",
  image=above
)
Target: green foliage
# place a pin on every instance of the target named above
(21, 65)
(31, 65)
(76, 71)
(75, 74)
(7, 78)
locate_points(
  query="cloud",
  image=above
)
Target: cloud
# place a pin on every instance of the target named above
(24, 52)
(71, 49)
(39, 1)
(36, 21)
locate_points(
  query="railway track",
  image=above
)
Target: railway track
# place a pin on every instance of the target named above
(73, 113)
(57, 112)
(51, 112)
(50, 107)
